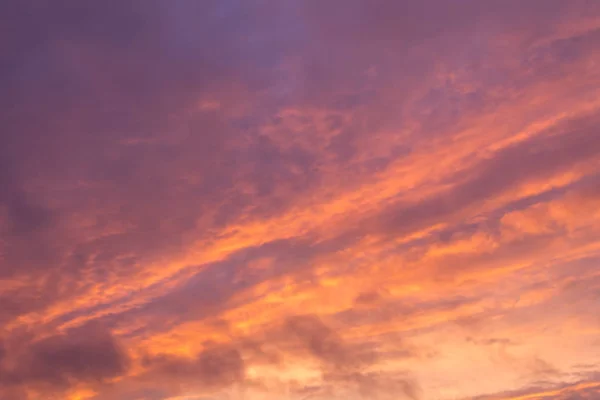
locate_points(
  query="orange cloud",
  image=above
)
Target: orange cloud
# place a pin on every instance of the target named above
(280, 200)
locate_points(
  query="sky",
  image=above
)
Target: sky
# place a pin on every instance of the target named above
(299, 200)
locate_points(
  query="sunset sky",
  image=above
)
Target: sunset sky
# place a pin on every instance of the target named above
(300, 200)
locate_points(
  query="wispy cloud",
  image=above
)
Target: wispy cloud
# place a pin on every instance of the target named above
(299, 199)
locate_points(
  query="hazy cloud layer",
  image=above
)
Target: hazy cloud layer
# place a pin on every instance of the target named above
(299, 200)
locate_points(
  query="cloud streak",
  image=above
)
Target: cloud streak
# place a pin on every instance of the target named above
(299, 200)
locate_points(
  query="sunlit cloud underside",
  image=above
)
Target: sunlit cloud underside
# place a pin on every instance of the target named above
(300, 200)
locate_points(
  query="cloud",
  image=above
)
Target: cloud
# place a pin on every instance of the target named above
(571, 391)
(87, 354)
(214, 367)
(535, 159)
(279, 198)
(342, 363)
(343, 367)
(324, 344)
